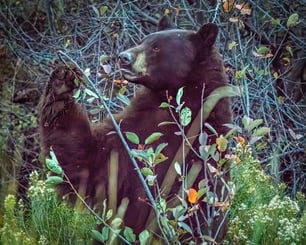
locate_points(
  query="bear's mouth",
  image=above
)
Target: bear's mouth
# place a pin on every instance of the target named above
(129, 75)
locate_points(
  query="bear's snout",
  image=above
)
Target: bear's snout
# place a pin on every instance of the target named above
(133, 65)
(126, 58)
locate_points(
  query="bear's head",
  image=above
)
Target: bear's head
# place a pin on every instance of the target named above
(166, 59)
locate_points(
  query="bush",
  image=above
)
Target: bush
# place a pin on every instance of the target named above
(261, 213)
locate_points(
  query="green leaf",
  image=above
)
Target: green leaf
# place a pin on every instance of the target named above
(203, 138)
(221, 143)
(261, 131)
(212, 150)
(218, 94)
(153, 137)
(53, 156)
(275, 22)
(209, 239)
(129, 234)
(203, 184)
(159, 158)
(101, 237)
(292, 20)
(144, 237)
(160, 148)
(211, 197)
(179, 95)
(246, 121)
(151, 179)
(179, 107)
(185, 116)
(109, 214)
(235, 127)
(239, 75)
(262, 50)
(102, 10)
(91, 93)
(124, 99)
(90, 100)
(178, 211)
(140, 155)
(132, 137)
(260, 146)
(164, 105)
(87, 72)
(116, 223)
(177, 168)
(77, 94)
(253, 124)
(230, 133)
(162, 204)
(203, 152)
(201, 192)
(185, 227)
(146, 171)
(53, 166)
(105, 233)
(211, 128)
(231, 45)
(103, 209)
(76, 82)
(54, 180)
(166, 123)
(289, 49)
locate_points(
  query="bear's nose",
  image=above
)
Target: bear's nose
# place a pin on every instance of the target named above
(126, 58)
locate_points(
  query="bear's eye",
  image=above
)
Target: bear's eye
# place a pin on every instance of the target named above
(155, 49)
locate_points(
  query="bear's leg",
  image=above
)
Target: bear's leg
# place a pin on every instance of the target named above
(65, 127)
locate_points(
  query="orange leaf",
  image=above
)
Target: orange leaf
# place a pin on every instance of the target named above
(192, 195)
(244, 8)
(124, 82)
(237, 159)
(140, 147)
(228, 5)
(240, 140)
(224, 205)
(234, 19)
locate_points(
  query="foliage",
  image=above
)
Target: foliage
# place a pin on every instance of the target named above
(211, 193)
(261, 212)
(46, 221)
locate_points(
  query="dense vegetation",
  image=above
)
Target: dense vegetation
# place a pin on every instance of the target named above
(263, 45)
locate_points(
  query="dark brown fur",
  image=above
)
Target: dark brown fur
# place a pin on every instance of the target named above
(83, 149)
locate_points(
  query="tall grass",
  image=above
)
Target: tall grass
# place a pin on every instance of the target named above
(46, 221)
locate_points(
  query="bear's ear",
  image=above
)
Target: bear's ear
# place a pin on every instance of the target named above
(165, 23)
(208, 34)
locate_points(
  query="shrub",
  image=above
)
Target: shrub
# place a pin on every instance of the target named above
(261, 213)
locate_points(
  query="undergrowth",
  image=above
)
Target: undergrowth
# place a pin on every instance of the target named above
(260, 212)
(46, 221)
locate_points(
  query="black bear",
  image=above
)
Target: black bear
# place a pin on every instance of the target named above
(163, 62)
